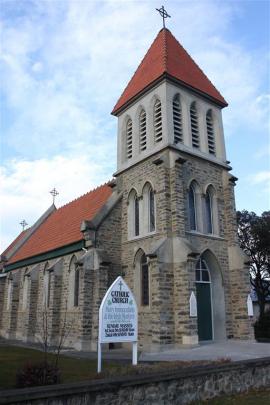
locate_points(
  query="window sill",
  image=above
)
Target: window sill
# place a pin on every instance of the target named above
(144, 309)
(205, 235)
(145, 236)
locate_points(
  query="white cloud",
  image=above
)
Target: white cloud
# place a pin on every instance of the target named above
(25, 188)
(63, 66)
(261, 177)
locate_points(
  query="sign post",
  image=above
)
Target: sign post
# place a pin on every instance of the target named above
(118, 319)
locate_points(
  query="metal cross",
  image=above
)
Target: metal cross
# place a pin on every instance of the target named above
(120, 283)
(163, 14)
(54, 193)
(23, 224)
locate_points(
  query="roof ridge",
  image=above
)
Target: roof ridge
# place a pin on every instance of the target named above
(142, 62)
(165, 50)
(83, 195)
(184, 49)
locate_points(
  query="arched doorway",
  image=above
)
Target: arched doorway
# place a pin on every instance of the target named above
(210, 298)
(204, 301)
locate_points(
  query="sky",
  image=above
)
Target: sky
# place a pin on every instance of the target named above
(63, 66)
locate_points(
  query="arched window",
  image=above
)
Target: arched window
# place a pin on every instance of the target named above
(177, 119)
(210, 132)
(202, 272)
(151, 210)
(74, 283)
(208, 212)
(46, 286)
(136, 216)
(76, 287)
(129, 139)
(25, 291)
(157, 121)
(9, 293)
(194, 126)
(144, 281)
(192, 208)
(142, 130)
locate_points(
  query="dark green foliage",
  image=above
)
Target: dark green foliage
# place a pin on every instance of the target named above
(262, 327)
(254, 238)
(32, 375)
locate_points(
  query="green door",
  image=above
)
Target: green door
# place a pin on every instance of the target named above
(204, 311)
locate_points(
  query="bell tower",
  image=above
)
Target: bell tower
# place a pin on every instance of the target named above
(178, 227)
(169, 102)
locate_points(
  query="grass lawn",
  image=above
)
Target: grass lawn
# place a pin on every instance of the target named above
(12, 358)
(261, 397)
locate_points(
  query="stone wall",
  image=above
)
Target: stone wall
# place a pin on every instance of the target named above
(161, 388)
(172, 275)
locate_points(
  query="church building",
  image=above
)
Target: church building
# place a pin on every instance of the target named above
(166, 223)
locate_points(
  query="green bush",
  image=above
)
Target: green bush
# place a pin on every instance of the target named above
(32, 375)
(262, 327)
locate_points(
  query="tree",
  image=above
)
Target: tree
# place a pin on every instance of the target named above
(254, 237)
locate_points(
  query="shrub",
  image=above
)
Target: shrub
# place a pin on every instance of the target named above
(37, 374)
(262, 327)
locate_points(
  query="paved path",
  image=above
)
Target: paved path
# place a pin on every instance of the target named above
(234, 350)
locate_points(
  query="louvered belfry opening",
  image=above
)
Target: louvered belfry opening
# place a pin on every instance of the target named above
(142, 126)
(210, 132)
(129, 139)
(177, 119)
(158, 121)
(194, 126)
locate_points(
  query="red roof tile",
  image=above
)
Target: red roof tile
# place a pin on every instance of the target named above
(62, 227)
(166, 55)
(16, 240)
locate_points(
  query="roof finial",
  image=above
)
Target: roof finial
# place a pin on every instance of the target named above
(23, 224)
(163, 14)
(54, 193)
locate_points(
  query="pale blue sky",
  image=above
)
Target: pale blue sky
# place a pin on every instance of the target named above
(63, 66)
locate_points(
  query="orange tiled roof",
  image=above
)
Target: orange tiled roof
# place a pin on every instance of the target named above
(16, 240)
(62, 227)
(166, 55)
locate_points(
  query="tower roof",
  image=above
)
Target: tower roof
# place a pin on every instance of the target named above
(167, 58)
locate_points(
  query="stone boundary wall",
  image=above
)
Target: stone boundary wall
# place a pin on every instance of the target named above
(175, 387)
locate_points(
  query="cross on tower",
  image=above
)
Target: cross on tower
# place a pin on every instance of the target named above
(163, 14)
(54, 193)
(23, 224)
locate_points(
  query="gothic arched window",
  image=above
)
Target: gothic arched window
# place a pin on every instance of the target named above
(25, 291)
(202, 272)
(142, 130)
(136, 216)
(151, 210)
(144, 281)
(157, 121)
(9, 293)
(194, 126)
(208, 212)
(74, 283)
(210, 132)
(177, 119)
(76, 287)
(46, 286)
(192, 208)
(129, 139)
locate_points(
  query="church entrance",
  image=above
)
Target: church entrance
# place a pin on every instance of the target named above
(204, 301)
